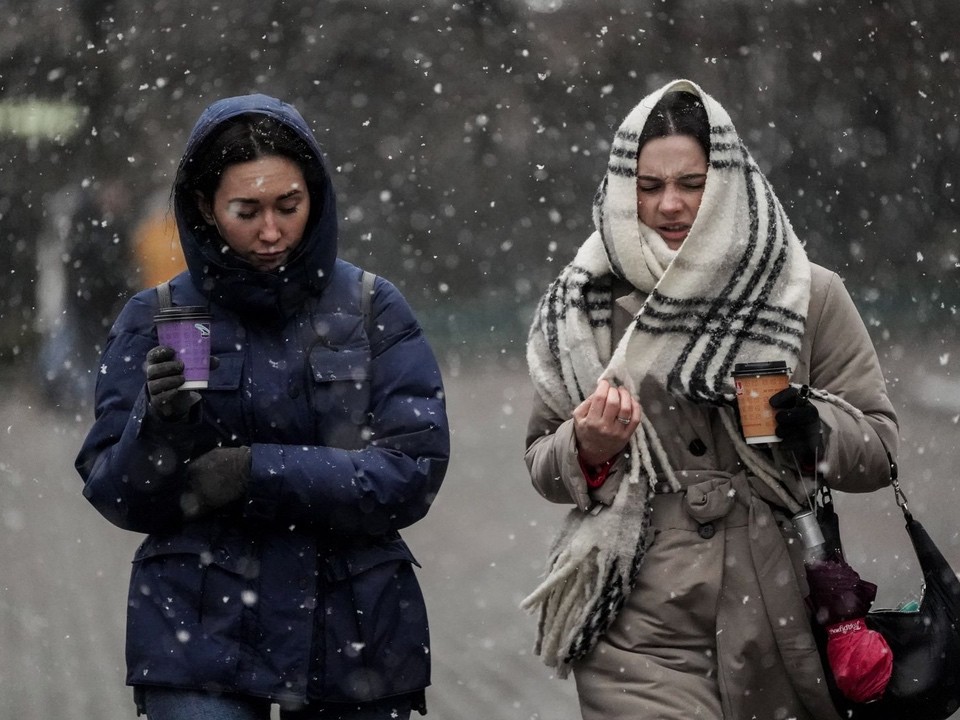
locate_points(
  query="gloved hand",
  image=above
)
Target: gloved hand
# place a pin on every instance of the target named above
(164, 378)
(798, 424)
(216, 478)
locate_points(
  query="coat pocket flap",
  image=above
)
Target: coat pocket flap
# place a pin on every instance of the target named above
(328, 364)
(192, 545)
(350, 562)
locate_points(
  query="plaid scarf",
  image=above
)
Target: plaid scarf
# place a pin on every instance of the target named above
(736, 291)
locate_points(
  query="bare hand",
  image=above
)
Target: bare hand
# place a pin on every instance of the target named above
(604, 423)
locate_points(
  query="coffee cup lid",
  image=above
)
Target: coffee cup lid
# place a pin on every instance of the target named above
(182, 312)
(774, 367)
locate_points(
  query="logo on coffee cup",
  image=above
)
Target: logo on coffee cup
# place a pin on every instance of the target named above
(203, 328)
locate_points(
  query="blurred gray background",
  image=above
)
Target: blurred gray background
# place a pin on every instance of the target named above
(465, 140)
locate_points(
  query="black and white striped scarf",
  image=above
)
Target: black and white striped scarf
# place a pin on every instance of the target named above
(736, 291)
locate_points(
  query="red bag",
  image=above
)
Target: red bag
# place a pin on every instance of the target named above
(860, 659)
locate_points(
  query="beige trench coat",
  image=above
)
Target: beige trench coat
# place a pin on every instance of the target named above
(716, 626)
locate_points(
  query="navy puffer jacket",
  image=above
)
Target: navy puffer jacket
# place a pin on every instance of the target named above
(303, 589)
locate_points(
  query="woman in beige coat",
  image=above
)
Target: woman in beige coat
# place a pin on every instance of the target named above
(674, 589)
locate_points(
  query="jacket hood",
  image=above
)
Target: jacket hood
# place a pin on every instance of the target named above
(225, 279)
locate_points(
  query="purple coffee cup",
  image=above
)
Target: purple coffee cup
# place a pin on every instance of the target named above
(187, 330)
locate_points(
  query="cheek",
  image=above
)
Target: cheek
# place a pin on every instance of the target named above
(645, 209)
(233, 232)
(695, 204)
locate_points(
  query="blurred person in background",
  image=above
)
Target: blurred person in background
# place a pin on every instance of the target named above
(156, 245)
(86, 274)
(675, 588)
(273, 571)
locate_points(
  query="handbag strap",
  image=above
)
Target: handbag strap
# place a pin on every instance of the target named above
(898, 491)
(827, 499)
(163, 293)
(366, 298)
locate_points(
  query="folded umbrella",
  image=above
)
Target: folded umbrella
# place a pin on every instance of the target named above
(860, 658)
(837, 591)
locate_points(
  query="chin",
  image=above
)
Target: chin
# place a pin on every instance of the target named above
(263, 266)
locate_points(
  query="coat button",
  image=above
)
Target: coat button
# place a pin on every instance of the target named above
(706, 531)
(697, 447)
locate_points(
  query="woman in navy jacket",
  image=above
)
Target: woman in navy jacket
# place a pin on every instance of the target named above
(273, 570)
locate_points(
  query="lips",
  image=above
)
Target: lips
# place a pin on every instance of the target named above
(674, 231)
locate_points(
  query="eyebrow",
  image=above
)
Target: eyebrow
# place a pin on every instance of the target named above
(256, 201)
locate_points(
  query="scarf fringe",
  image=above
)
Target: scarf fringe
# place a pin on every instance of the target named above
(586, 586)
(568, 606)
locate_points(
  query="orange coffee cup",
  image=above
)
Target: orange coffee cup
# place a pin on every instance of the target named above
(756, 383)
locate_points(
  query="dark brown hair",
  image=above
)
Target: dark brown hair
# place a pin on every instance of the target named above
(241, 139)
(678, 113)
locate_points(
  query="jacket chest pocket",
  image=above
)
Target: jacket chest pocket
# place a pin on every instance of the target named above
(223, 399)
(340, 393)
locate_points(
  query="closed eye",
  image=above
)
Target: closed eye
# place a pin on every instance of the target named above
(685, 182)
(693, 182)
(250, 214)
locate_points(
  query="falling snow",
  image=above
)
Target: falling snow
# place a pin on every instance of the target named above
(465, 142)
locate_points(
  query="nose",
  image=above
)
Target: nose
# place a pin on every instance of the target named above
(672, 200)
(269, 231)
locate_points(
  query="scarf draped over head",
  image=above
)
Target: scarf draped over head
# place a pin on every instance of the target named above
(736, 291)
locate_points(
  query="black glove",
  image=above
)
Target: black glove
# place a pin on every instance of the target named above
(216, 478)
(798, 425)
(164, 378)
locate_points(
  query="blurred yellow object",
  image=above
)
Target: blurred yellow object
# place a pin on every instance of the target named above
(156, 248)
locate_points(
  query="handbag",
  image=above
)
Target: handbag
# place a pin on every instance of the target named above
(925, 641)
